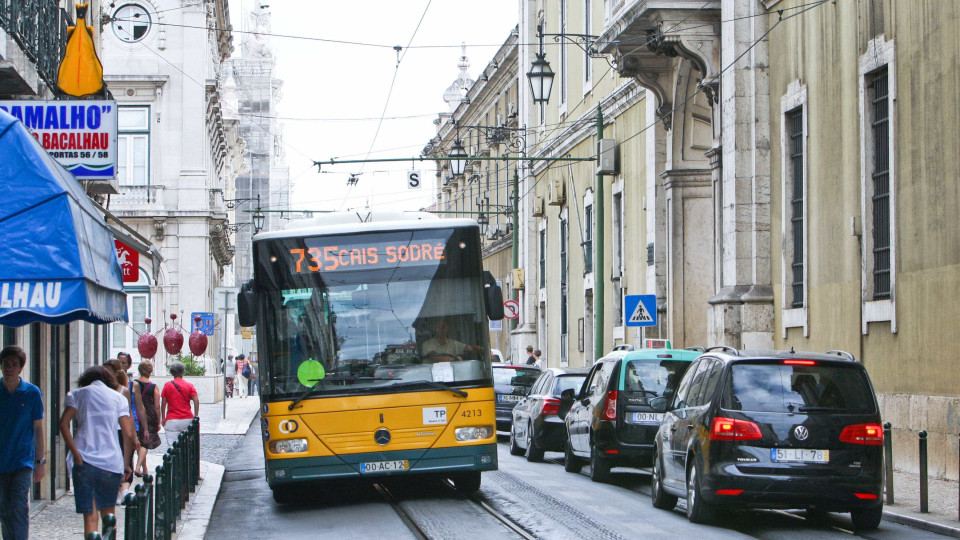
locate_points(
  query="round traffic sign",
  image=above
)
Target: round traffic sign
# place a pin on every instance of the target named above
(511, 309)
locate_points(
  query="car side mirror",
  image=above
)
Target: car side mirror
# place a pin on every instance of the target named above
(568, 395)
(247, 305)
(659, 404)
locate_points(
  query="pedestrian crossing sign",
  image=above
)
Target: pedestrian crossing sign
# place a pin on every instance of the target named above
(640, 310)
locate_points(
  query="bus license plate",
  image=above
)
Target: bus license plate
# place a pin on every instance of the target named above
(385, 466)
(799, 455)
(647, 418)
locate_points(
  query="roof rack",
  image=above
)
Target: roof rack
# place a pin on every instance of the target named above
(723, 348)
(843, 353)
(698, 349)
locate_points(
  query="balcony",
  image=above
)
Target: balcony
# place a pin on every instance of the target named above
(137, 199)
(39, 28)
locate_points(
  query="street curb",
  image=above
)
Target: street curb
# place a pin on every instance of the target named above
(926, 525)
(197, 516)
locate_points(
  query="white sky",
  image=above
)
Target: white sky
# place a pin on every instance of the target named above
(324, 82)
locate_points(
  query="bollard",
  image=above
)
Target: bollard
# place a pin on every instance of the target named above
(109, 527)
(130, 517)
(923, 471)
(148, 504)
(888, 460)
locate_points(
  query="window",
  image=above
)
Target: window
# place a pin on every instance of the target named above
(130, 23)
(123, 336)
(880, 175)
(794, 126)
(564, 237)
(133, 146)
(587, 71)
(588, 239)
(563, 52)
(878, 183)
(795, 242)
(543, 258)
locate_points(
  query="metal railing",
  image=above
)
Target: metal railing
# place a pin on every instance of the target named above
(40, 28)
(152, 510)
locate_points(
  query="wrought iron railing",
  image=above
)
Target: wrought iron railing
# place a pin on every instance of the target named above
(40, 28)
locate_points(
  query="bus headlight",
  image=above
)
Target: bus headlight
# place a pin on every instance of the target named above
(473, 433)
(288, 446)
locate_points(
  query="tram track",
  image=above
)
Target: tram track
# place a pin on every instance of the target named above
(421, 528)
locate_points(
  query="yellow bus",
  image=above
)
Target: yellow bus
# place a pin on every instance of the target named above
(374, 351)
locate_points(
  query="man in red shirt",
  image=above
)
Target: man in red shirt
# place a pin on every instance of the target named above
(175, 399)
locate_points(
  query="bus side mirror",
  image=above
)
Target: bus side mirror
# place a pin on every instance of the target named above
(493, 297)
(247, 305)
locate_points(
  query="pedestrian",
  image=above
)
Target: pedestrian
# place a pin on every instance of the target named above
(21, 444)
(149, 433)
(230, 373)
(136, 401)
(539, 362)
(95, 457)
(253, 382)
(241, 378)
(120, 385)
(531, 359)
(175, 415)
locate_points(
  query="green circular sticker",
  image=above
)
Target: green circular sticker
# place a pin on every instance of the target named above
(310, 372)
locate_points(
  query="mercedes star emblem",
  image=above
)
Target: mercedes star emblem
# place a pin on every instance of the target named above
(801, 433)
(382, 436)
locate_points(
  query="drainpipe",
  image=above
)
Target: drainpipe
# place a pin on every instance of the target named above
(598, 326)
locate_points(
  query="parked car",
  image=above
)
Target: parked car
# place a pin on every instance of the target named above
(510, 385)
(775, 429)
(538, 418)
(496, 356)
(615, 414)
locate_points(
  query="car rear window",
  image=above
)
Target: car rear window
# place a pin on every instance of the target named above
(506, 375)
(568, 382)
(653, 376)
(777, 387)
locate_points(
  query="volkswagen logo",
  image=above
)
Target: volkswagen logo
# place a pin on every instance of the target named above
(288, 426)
(801, 433)
(382, 436)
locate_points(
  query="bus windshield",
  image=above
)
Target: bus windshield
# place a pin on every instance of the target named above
(371, 312)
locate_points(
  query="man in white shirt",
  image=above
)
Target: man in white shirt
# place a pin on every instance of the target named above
(441, 348)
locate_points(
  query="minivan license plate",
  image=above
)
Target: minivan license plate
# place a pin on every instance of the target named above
(799, 455)
(509, 398)
(384, 466)
(647, 418)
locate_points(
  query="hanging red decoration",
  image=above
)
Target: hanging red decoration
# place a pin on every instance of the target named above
(147, 345)
(198, 340)
(172, 338)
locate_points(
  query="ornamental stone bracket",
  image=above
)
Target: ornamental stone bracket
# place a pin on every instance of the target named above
(220, 246)
(650, 39)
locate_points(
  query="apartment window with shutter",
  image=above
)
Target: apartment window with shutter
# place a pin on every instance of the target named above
(543, 258)
(880, 175)
(588, 239)
(794, 126)
(564, 237)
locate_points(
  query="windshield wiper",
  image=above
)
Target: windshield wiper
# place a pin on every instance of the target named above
(434, 384)
(335, 378)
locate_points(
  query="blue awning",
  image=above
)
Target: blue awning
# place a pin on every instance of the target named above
(57, 257)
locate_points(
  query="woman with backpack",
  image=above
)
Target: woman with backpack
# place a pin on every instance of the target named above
(175, 415)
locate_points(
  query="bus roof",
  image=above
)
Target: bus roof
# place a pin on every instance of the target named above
(355, 222)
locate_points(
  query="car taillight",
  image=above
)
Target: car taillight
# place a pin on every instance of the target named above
(728, 429)
(610, 410)
(867, 434)
(551, 406)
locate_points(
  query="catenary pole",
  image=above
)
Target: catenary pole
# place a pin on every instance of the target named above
(598, 327)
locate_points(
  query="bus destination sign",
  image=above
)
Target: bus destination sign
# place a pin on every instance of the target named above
(367, 256)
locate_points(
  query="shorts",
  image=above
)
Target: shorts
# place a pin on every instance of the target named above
(92, 484)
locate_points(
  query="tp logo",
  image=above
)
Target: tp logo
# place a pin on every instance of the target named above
(288, 426)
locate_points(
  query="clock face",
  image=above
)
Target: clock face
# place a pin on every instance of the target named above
(131, 23)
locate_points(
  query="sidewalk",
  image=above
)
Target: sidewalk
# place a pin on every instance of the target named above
(942, 503)
(59, 519)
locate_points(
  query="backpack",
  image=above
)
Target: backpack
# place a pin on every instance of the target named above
(246, 371)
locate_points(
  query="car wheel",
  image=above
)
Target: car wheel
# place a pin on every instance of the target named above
(534, 452)
(466, 483)
(867, 518)
(515, 449)
(599, 466)
(698, 510)
(571, 463)
(660, 498)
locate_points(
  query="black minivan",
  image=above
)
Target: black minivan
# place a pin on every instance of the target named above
(772, 429)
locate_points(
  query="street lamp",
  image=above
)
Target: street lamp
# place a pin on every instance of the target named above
(458, 158)
(258, 218)
(540, 74)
